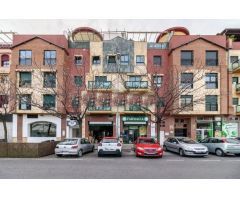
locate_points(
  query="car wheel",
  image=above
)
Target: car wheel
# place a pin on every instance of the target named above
(219, 152)
(159, 156)
(120, 155)
(59, 155)
(99, 154)
(80, 153)
(181, 152)
(237, 154)
(165, 148)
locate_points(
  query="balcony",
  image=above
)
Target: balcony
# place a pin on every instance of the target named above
(136, 84)
(238, 109)
(99, 85)
(235, 66)
(99, 108)
(238, 88)
(116, 68)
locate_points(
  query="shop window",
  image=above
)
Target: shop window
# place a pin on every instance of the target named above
(25, 57)
(49, 80)
(96, 60)
(211, 58)
(5, 60)
(211, 80)
(43, 129)
(186, 58)
(50, 57)
(25, 102)
(78, 60)
(25, 79)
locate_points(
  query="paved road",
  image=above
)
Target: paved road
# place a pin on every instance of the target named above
(128, 166)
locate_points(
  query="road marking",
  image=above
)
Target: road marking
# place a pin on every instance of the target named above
(175, 160)
(209, 160)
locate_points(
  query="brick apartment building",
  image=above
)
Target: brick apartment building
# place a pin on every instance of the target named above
(113, 74)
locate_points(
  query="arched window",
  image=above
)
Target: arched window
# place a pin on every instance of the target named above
(5, 60)
(43, 129)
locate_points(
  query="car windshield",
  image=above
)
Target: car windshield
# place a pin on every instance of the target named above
(186, 141)
(109, 141)
(146, 141)
(232, 141)
(69, 142)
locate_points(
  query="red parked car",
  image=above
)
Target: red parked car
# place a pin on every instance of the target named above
(145, 146)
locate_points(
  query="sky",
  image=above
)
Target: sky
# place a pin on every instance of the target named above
(59, 26)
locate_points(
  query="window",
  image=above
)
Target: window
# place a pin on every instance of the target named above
(49, 101)
(160, 102)
(3, 100)
(75, 102)
(235, 101)
(211, 58)
(25, 79)
(25, 102)
(187, 80)
(187, 58)
(211, 80)
(5, 60)
(96, 60)
(211, 103)
(187, 102)
(43, 129)
(124, 59)
(233, 59)
(3, 78)
(25, 57)
(78, 81)
(157, 80)
(140, 59)
(235, 80)
(111, 59)
(134, 78)
(78, 60)
(157, 60)
(49, 80)
(49, 57)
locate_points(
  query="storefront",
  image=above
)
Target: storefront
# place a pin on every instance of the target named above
(134, 126)
(73, 129)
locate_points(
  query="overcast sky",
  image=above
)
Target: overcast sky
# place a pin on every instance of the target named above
(59, 26)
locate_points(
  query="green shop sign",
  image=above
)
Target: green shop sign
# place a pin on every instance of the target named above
(135, 119)
(229, 129)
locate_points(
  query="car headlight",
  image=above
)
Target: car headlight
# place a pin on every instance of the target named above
(140, 148)
(159, 149)
(188, 148)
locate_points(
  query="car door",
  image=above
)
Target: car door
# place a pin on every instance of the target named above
(83, 145)
(211, 145)
(205, 142)
(88, 145)
(175, 145)
(168, 144)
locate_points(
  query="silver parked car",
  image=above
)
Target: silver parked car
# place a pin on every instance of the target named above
(222, 146)
(185, 146)
(74, 146)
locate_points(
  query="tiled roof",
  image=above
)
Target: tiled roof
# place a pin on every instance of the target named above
(58, 40)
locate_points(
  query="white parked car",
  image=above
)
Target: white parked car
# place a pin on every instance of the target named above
(74, 146)
(110, 145)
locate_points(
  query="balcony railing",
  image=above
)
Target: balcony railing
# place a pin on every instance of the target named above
(136, 84)
(99, 84)
(99, 108)
(238, 108)
(235, 65)
(133, 107)
(114, 67)
(238, 87)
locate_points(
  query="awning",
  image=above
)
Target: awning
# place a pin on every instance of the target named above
(135, 123)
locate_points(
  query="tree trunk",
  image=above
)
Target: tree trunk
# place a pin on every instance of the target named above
(158, 131)
(5, 130)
